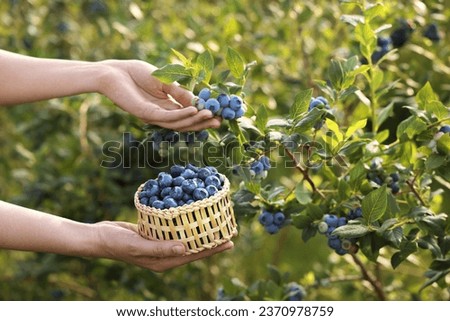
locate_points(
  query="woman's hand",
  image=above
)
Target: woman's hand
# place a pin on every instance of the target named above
(121, 241)
(130, 85)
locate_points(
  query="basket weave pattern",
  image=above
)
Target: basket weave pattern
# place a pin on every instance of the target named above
(201, 225)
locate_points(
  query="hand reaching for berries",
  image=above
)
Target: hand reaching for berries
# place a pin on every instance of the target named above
(128, 83)
(29, 230)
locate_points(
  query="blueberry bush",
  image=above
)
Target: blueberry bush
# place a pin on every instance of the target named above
(334, 135)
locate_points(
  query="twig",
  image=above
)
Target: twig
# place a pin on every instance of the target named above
(413, 189)
(366, 276)
(304, 173)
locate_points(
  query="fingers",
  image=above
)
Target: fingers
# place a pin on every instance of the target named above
(201, 120)
(153, 114)
(160, 249)
(181, 95)
(209, 123)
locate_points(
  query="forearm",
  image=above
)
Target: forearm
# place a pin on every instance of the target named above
(28, 79)
(29, 230)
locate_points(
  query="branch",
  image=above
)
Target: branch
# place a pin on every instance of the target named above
(413, 189)
(304, 173)
(376, 284)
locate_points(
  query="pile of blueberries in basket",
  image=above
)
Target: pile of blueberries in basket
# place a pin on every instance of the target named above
(181, 185)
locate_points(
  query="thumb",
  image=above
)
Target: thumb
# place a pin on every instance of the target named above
(155, 248)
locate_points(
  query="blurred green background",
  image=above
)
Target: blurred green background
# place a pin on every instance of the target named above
(51, 151)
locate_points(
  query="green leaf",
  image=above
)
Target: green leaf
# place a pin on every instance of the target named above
(262, 118)
(425, 95)
(235, 62)
(370, 245)
(357, 175)
(385, 113)
(406, 249)
(374, 205)
(334, 127)
(443, 145)
(309, 120)
(434, 161)
(302, 194)
(367, 39)
(374, 11)
(353, 128)
(440, 264)
(351, 231)
(205, 61)
(184, 60)
(301, 220)
(301, 103)
(336, 73)
(411, 126)
(314, 211)
(172, 72)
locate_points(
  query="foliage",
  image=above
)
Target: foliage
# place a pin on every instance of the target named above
(384, 117)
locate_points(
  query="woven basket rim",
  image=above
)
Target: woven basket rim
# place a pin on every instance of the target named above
(170, 213)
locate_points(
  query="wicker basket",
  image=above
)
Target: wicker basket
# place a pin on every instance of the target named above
(201, 225)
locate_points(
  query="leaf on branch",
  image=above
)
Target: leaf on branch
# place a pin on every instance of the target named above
(205, 62)
(301, 104)
(302, 194)
(235, 62)
(374, 205)
(172, 72)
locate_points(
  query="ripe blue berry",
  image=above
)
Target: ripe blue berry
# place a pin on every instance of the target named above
(235, 102)
(181, 203)
(331, 220)
(172, 137)
(212, 190)
(203, 173)
(144, 200)
(176, 170)
(164, 180)
(165, 191)
(272, 228)
(177, 181)
(335, 244)
(200, 183)
(188, 186)
(200, 193)
(170, 202)
(355, 213)
(279, 218)
(295, 292)
(395, 177)
(158, 204)
(228, 113)
(213, 105)
(186, 197)
(189, 174)
(204, 94)
(176, 193)
(202, 136)
(239, 113)
(190, 202)
(212, 169)
(395, 188)
(431, 32)
(213, 180)
(322, 99)
(445, 129)
(265, 161)
(192, 167)
(224, 100)
(342, 221)
(266, 218)
(257, 167)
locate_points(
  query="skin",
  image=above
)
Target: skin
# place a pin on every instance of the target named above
(129, 85)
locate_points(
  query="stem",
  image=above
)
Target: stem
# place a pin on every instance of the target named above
(304, 173)
(376, 284)
(416, 193)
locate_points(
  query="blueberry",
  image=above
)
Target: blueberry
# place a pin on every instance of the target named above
(266, 218)
(189, 174)
(401, 35)
(383, 42)
(445, 129)
(342, 221)
(355, 213)
(295, 292)
(199, 182)
(314, 103)
(395, 177)
(278, 218)
(192, 167)
(203, 173)
(213, 180)
(228, 113)
(177, 181)
(377, 180)
(144, 200)
(165, 191)
(176, 170)
(235, 102)
(181, 203)
(331, 220)
(431, 32)
(395, 188)
(334, 243)
(200, 193)
(257, 167)
(190, 138)
(164, 180)
(188, 186)
(172, 137)
(265, 161)
(239, 113)
(152, 199)
(158, 204)
(153, 190)
(145, 193)
(212, 190)
(213, 105)
(212, 169)
(186, 197)
(170, 202)
(329, 233)
(150, 183)
(224, 100)
(202, 136)
(322, 99)
(341, 251)
(272, 228)
(204, 94)
(190, 202)
(176, 193)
